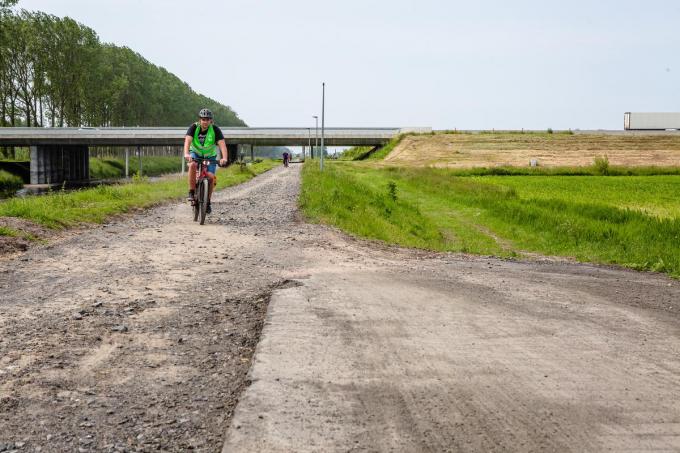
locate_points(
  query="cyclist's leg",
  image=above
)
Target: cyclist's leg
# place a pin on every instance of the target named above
(211, 187)
(211, 178)
(192, 175)
(212, 170)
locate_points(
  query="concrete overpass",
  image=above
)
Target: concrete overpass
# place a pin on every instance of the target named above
(62, 154)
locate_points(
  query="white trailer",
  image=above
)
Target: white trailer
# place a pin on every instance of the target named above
(651, 121)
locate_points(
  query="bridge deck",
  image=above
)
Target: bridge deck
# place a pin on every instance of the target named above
(148, 136)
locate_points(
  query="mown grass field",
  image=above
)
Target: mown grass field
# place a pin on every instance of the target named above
(62, 209)
(468, 150)
(633, 221)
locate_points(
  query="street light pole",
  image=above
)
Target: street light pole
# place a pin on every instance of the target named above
(309, 137)
(323, 102)
(316, 135)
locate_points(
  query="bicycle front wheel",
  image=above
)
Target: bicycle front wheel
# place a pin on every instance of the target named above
(196, 204)
(203, 194)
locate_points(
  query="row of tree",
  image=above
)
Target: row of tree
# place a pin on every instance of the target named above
(55, 72)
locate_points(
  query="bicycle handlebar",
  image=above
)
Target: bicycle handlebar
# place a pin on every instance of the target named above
(209, 159)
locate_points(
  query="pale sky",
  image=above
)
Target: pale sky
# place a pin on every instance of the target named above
(445, 64)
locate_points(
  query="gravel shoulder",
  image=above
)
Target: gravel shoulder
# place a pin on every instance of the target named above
(355, 346)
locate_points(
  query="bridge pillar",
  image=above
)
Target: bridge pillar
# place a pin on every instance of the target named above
(232, 151)
(55, 164)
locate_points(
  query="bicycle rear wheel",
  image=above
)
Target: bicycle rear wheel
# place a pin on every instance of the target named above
(203, 196)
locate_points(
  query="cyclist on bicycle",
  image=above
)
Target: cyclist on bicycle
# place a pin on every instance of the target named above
(201, 142)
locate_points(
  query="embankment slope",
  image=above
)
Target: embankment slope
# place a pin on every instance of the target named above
(466, 150)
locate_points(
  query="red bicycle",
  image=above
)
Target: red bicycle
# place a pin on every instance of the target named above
(200, 203)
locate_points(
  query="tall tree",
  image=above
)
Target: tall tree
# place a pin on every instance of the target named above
(55, 71)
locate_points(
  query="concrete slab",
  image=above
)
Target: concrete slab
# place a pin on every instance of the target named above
(442, 359)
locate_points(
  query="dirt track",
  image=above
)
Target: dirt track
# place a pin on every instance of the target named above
(104, 346)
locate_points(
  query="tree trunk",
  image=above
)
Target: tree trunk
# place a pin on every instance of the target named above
(12, 111)
(35, 111)
(3, 112)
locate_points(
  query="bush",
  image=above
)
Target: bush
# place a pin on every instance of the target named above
(9, 183)
(601, 165)
(392, 190)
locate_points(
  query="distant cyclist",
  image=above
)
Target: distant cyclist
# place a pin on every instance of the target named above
(286, 158)
(201, 142)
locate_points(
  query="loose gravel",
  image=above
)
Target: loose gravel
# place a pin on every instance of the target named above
(137, 335)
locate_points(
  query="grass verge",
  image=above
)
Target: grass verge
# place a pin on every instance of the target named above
(106, 168)
(356, 153)
(630, 221)
(63, 209)
(338, 198)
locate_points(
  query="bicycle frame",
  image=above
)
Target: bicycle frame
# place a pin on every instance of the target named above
(201, 168)
(202, 189)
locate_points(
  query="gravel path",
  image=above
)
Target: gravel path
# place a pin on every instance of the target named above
(137, 335)
(105, 346)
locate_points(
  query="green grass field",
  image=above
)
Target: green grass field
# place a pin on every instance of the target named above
(61, 209)
(632, 221)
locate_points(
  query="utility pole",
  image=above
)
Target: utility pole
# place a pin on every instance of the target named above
(323, 101)
(316, 135)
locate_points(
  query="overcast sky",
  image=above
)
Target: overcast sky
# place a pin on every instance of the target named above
(446, 64)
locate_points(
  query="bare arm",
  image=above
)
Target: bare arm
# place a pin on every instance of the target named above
(223, 151)
(187, 142)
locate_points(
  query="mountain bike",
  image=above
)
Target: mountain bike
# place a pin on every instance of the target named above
(200, 203)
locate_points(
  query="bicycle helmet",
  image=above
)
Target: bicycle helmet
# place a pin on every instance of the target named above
(205, 113)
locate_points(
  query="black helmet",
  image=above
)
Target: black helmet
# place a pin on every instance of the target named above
(205, 113)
